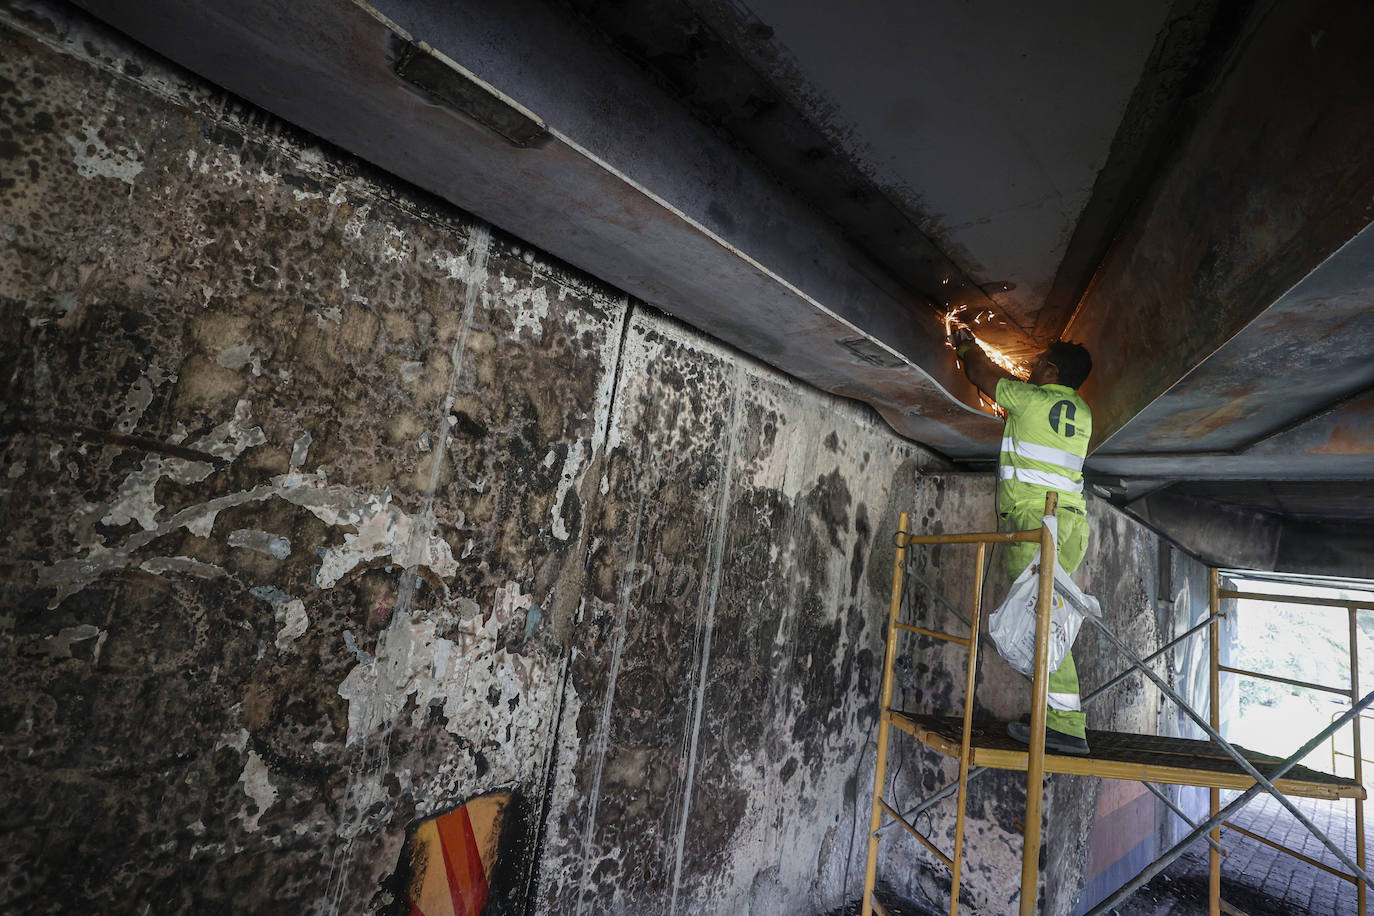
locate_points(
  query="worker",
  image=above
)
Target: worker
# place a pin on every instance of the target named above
(1044, 443)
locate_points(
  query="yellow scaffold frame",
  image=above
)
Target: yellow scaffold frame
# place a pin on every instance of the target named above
(1240, 771)
(1035, 767)
(1216, 594)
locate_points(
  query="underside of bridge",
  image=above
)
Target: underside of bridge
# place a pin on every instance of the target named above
(473, 431)
(1182, 186)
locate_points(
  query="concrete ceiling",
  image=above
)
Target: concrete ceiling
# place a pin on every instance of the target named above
(973, 120)
(1184, 186)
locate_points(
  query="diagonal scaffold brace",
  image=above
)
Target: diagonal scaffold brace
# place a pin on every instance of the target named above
(1240, 801)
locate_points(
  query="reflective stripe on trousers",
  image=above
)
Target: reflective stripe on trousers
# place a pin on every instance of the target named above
(1040, 479)
(1065, 713)
(1065, 701)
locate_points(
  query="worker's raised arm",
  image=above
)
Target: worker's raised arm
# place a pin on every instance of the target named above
(981, 371)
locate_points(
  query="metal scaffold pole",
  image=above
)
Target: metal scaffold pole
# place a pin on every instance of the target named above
(1149, 759)
(888, 718)
(1040, 689)
(970, 683)
(1214, 688)
(884, 718)
(1361, 890)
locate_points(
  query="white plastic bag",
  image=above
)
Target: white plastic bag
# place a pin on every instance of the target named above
(1012, 626)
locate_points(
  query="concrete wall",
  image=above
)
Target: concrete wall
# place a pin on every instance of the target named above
(330, 508)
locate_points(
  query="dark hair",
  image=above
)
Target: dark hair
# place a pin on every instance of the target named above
(1073, 362)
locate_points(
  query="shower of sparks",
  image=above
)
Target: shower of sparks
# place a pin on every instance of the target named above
(1016, 367)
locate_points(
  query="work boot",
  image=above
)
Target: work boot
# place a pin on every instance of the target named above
(1055, 742)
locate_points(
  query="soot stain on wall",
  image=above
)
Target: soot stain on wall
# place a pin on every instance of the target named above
(717, 671)
(336, 508)
(294, 492)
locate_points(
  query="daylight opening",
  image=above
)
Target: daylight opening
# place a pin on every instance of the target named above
(1309, 646)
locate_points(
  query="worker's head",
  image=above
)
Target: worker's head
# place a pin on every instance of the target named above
(1062, 363)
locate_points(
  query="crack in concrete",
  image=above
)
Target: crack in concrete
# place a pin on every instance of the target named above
(709, 611)
(602, 740)
(395, 644)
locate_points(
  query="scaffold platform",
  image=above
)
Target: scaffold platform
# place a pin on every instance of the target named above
(1117, 755)
(981, 745)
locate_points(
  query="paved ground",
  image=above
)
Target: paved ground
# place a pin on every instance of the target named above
(1255, 878)
(1258, 879)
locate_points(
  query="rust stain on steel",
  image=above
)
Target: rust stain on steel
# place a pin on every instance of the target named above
(1346, 441)
(1273, 181)
(1193, 424)
(1344, 430)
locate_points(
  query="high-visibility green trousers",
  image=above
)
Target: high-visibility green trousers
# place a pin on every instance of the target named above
(1065, 712)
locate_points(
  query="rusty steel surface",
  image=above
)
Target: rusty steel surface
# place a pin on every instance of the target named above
(1292, 498)
(1275, 179)
(1225, 315)
(1346, 429)
(1235, 467)
(1307, 351)
(630, 189)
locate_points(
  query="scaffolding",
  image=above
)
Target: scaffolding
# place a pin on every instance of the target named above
(1215, 764)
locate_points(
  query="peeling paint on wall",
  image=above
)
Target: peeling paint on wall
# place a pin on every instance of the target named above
(374, 511)
(64, 642)
(666, 683)
(257, 785)
(273, 545)
(381, 529)
(371, 515)
(94, 159)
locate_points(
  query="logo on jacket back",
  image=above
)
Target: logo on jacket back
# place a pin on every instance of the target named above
(1067, 410)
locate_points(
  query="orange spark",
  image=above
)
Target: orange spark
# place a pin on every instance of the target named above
(1014, 366)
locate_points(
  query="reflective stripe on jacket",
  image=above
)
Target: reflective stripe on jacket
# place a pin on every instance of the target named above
(1043, 445)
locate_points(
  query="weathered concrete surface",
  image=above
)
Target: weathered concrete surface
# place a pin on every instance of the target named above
(238, 678)
(725, 663)
(331, 511)
(290, 495)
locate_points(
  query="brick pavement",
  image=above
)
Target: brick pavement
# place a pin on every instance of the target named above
(1258, 879)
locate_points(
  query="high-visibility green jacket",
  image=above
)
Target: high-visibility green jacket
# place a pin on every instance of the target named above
(1043, 445)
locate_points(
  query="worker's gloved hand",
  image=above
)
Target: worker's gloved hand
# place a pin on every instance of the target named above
(963, 340)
